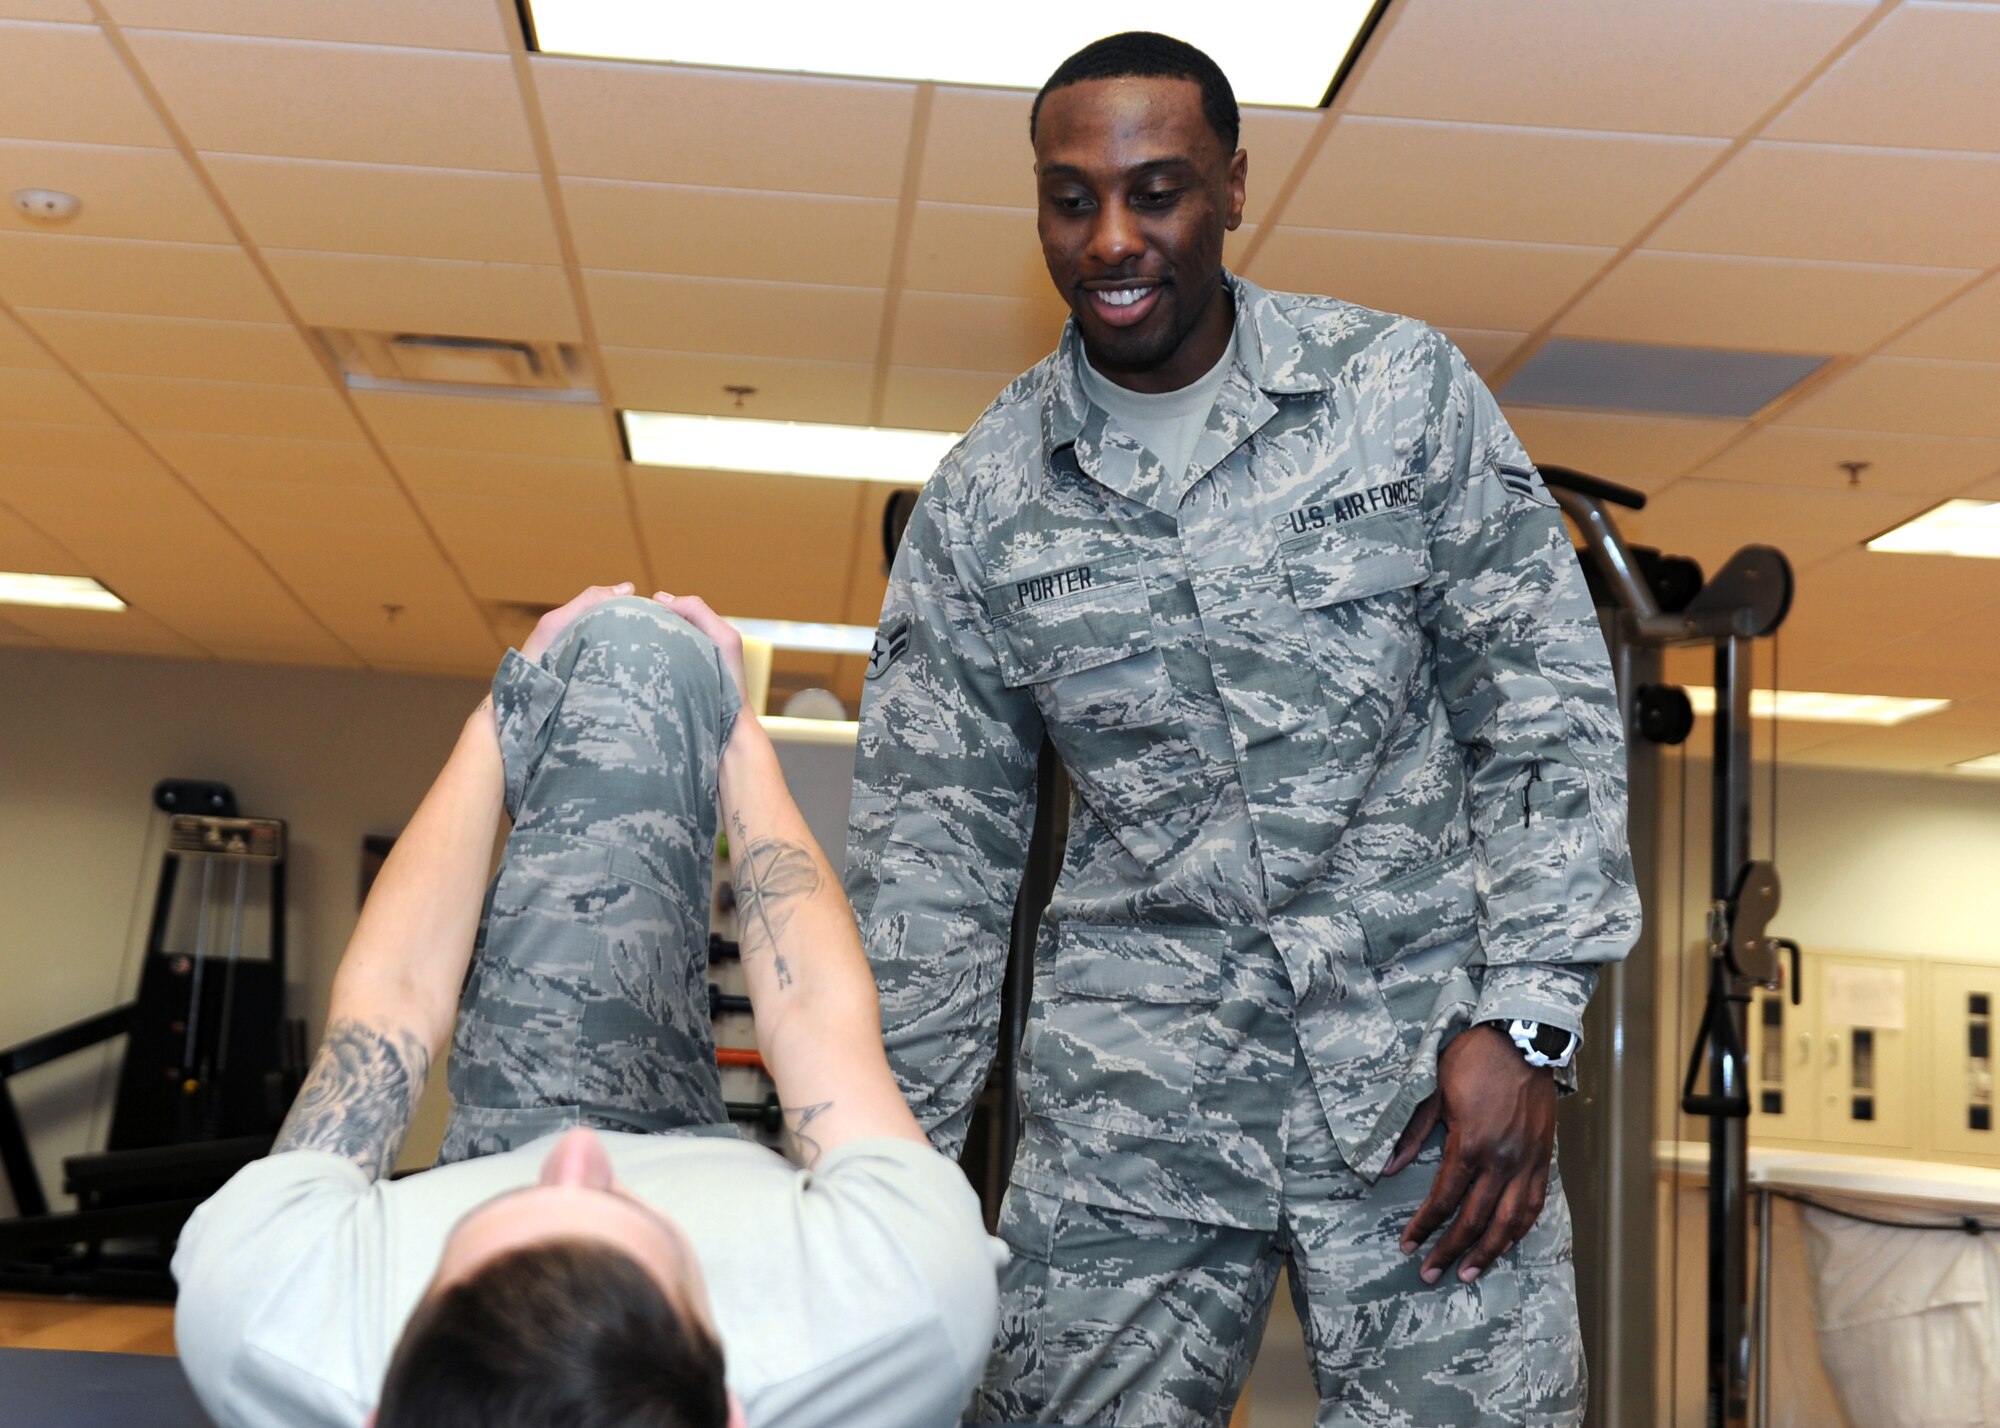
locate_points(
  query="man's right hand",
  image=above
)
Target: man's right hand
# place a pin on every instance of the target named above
(726, 636)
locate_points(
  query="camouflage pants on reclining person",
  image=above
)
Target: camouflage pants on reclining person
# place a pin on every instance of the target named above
(587, 1000)
(1113, 1318)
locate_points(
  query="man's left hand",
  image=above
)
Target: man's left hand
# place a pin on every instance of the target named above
(1500, 1133)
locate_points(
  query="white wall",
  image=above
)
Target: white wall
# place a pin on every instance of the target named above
(83, 738)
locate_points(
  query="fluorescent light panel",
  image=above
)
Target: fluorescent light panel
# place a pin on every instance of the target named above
(785, 448)
(1967, 528)
(1287, 56)
(814, 639)
(57, 592)
(1809, 707)
(1987, 766)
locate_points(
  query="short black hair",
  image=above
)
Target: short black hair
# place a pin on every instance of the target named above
(1142, 54)
(567, 1333)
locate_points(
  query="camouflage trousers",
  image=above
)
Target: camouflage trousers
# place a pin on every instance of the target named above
(587, 999)
(1114, 1318)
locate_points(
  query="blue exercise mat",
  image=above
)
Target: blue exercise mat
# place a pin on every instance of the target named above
(55, 1388)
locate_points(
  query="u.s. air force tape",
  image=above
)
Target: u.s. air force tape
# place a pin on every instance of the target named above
(888, 648)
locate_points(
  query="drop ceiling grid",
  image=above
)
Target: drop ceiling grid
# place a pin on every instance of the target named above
(181, 140)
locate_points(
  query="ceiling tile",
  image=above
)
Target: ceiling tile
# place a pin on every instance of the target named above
(491, 424)
(178, 347)
(789, 320)
(1968, 330)
(72, 448)
(1909, 748)
(18, 348)
(1809, 456)
(1848, 205)
(536, 551)
(697, 382)
(730, 233)
(433, 473)
(976, 148)
(954, 248)
(231, 408)
(1762, 304)
(102, 632)
(1485, 351)
(389, 596)
(941, 329)
(393, 210)
(1484, 181)
(117, 275)
(1452, 282)
(285, 511)
(430, 295)
(371, 104)
(440, 24)
(1708, 66)
(126, 192)
(1274, 139)
(73, 11)
(1710, 520)
(932, 399)
(46, 394)
(726, 129)
(1907, 394)
(1646, 452)
(65, 82)
(713, 533)
(24, 547)
(1947, 54)
(207, 456)
(15, 636)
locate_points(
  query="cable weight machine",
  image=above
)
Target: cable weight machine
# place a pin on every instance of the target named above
(1660, 602)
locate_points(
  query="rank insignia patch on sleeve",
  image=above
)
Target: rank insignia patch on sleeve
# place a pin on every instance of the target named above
(1522, 481)
(889, 646)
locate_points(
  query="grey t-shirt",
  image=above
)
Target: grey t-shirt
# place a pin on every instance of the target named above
(1168, 424)
(862, 1291)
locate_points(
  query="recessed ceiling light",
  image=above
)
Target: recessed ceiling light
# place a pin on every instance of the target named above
(916, 39)
(785, 448)
(59, 592)
(1988, 766)
(1968, 528)
(1813, 708)
(807, 637)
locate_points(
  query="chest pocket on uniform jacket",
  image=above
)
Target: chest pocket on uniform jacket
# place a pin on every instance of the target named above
(1101, 684)
(1356, 589)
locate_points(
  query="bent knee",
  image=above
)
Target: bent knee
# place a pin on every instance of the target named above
(633, 629)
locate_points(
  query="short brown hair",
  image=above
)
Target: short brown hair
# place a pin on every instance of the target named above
(566, 1334)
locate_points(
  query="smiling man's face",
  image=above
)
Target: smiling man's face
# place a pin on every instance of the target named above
(1135, 193)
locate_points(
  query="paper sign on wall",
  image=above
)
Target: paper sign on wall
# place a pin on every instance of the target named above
(1866, 996)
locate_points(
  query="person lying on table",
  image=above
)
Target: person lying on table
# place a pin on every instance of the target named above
(596, 1246)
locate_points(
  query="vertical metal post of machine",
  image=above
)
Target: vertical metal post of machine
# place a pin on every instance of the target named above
(1649, 603)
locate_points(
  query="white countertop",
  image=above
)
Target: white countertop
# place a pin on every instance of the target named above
(1916, 1184)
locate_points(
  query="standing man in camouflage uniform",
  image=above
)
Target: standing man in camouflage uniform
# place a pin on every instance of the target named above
(1347, 842)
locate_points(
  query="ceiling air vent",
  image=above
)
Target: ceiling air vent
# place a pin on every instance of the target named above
(470, 366)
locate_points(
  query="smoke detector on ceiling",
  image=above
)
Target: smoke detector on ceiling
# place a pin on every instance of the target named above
(476, 366)
(47, 205)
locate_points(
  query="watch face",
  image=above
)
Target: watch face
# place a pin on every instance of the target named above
(1552, 1041)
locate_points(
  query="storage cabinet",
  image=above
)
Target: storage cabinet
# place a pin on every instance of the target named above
(1835, 1071)
(1958, 1100)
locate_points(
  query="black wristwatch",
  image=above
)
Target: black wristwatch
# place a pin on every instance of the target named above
(1540, 1044)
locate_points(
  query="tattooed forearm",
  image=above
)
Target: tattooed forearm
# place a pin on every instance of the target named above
(797, 1118)
(359, 1096)
(772, 877)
